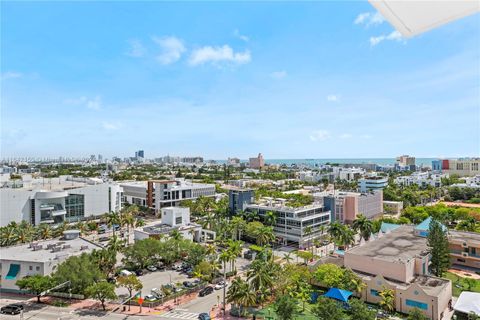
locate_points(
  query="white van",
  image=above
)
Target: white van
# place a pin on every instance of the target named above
(125, 273)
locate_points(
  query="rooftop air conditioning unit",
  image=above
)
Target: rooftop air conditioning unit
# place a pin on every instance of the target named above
(464, 254)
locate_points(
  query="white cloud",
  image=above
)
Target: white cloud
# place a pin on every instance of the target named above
(111, 125)
(171, 47)
(136, 49)
(393, 36)
(216, 55)
(320, 135)
(94, 103)
(11, 75)
(345, 136)
(333, 98)
(369, 19)
(365, 136)
(278, 74)
(240, 36)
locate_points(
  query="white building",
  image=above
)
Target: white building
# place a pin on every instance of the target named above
(58, 199)
(349, 174)
(40, 258)
(470, 182)
(291, 223)
(174, 218)
(421, 179)
(157, 194)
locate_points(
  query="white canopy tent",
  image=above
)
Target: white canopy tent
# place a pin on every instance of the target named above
(412, 17)
(468, 302)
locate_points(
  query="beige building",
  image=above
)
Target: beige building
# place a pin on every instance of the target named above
(256, 163)
(393, 208)
(464, 167)
(406, 160)
(399, 260)
(464, 249)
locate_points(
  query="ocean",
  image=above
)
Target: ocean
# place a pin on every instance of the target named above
(313, 162)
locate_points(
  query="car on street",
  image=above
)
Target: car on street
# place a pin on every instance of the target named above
(152, 268)
(150, 297)
(125, 273)
(220, 285)
(205, 291)
(11, 309)
(204, 316)
(103, 239)
(196, 281)
(139, 272)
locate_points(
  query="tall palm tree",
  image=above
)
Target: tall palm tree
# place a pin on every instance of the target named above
(241, 294)
(335, 230)
(265, 236)
(347, 237)
(388, 299)
(287, 257)
(128, 219)
(235, 247)
(238, 224)
(270, 219)
(259, 275)
(24, 232)
(112, 219)
(363, 225)
(139, 223)
(307, 232)
(8, 235)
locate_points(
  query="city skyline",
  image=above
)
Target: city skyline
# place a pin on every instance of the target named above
(217, 80)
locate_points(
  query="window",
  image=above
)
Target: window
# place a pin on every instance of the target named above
(416, 304)
(37, 268)
(374, 292)
(178, 220)
(75, 206)
(30, 268)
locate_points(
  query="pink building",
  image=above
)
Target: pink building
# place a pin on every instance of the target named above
(399, 260)
(346, 206)
(257, 163)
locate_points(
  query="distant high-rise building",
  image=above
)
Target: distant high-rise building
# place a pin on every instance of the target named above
(100, 158)
(92, 157)
(139, 154)
(462, 166)
(406, 160)
(257, 163)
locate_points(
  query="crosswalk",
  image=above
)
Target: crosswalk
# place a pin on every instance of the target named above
(180, 314)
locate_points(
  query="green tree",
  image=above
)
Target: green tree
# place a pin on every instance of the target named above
(363, 225)
(326, 308)
(265, 236)
(305, 255)
(36, 284)
(329, 275)
(106, 260)
(388, 299)
(285, 307)
(241, 294)
(437, 242)
(146, 252)
(416, 314)
(101, 291)
(82, 271)
(131, 283)
(359, 310)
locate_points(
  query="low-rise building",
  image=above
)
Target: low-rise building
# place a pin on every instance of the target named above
(421, 179)
(464, 249)
(291, 223)
(157, 194)
(346, 206)
(399, 260)
(40, 258)
(55, 200)
(393, 208)
(239, 198)
(372, 183)
(174, 218)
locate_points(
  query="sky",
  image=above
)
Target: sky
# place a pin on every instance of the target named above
(226, 79)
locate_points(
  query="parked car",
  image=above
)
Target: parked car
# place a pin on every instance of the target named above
(204, 316)
(125, 273)
(11, 309)
(103, 239)
(139, 272)
(248, 255)
(196, 281)
(157, 293)
(220, 285)
(152, 268)
(205, 291)
(150, 297)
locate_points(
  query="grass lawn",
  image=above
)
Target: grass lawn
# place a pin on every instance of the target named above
(269, 313)
(460, 284)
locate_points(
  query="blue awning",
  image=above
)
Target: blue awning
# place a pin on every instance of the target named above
(386, 227)
(425, 226)
(13, 271)
(338, 294)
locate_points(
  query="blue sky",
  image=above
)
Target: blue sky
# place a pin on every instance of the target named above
(290, 80)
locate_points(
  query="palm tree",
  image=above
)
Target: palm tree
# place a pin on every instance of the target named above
(81, 226)
(115, 243)
(24, 232)
(8, 234)
(139, 223)
(259, 275)
(128, 219)
(112, 219)
(347, 237)
(60, 228)
(44, 231)
(388, 299)
(335, 230)
(288, 257)
(358, 285)
(241, 295)
(235, 247)
(265, 236)
(365, 226)
(270, 219)
(250, 216)
(238, 224)
(307, 232)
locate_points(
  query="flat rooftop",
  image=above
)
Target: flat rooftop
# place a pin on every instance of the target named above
(400, 245)
(45, 250)
(464, 235)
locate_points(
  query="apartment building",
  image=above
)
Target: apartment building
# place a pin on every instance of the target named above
(421, 179)
(55, 200)
(372, 183)
(399, 260)
(157, 194)
(291, 223)
(464, 167)
(406, 160)
(239, 198)
(257, 163)
(40, 258)
(393, 208)
(346, 206)
(464, 249)
(349, 174)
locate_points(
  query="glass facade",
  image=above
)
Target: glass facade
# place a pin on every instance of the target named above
(75, 207)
